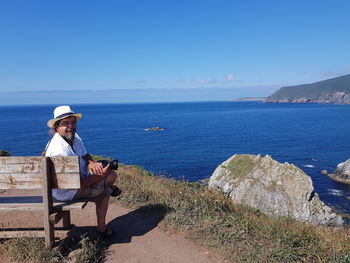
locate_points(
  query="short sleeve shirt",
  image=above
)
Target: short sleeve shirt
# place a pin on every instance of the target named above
(59, 147)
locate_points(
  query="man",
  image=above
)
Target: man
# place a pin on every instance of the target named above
(96, 181)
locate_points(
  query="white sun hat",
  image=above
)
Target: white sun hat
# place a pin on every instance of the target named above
(62, 112)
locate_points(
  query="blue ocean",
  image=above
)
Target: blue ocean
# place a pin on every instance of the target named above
(197, 137)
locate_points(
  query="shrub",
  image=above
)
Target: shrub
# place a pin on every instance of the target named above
(4, 153)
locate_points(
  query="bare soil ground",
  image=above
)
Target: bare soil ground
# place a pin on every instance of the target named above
(140, 236)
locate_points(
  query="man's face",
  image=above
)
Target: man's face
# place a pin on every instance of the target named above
(67, 127)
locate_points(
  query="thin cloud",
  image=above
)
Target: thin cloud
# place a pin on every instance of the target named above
(203, 81)
(181, 80)
(230, 78)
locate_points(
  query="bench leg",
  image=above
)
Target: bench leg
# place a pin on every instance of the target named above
(66, 219)
(47, 203)
(49, 233)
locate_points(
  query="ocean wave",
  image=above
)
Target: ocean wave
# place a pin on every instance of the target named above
(335, 192)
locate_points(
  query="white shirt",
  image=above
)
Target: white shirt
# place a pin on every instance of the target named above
(59, 147)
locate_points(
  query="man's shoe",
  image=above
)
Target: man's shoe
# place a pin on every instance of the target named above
(107, 233)
(115, 191)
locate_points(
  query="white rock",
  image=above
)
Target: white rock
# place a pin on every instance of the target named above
(274, 188)
(342, 172)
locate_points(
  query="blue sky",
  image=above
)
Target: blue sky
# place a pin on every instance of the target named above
(117, 51)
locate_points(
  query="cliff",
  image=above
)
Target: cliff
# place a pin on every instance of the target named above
(336, 90)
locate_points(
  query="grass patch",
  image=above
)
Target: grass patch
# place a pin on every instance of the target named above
(241, 165)
(90, 250)
(239, 233)
(28, 249)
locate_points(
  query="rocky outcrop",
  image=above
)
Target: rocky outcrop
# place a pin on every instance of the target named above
(274, 188)
(333, 98)
(342, 172)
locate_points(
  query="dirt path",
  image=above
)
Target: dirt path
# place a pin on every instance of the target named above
(140, 237)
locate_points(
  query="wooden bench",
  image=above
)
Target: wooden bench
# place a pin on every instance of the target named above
(44, 173)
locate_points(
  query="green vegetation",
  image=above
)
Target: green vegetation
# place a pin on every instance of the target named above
(91, 250)
(239, 233)
(241, 165)
(4, 153)
(313, 91)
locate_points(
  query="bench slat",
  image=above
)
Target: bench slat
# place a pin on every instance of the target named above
(30, 233)
(61, 206)
(70, 206)
(26, 172)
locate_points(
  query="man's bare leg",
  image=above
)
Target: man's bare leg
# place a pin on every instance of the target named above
(101, 212)
(110, 179)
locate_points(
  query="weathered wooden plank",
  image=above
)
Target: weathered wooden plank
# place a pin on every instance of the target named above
(32, 167)
(21, 233)
(70, 206)
(22, 207)
(30, 233)
(20, 181)
(20, 172)
(60, 206)
(65, 172)
(25, 172)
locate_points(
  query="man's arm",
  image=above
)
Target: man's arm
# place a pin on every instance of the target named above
(96, 170)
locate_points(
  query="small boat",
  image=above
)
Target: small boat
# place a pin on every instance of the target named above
(157, 128)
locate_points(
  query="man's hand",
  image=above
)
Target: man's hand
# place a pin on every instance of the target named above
(95, 168)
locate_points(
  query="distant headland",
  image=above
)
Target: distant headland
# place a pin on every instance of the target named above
(249, 99)
(335, 91)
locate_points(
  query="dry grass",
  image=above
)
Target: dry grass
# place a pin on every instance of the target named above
(240, 233)
(87, 249)
(27, 249)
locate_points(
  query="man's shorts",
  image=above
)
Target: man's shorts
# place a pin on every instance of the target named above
(95, 192)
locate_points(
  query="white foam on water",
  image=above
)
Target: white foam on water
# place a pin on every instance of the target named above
(335, 192)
